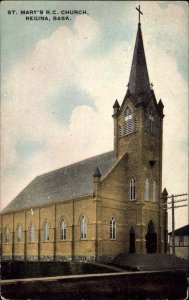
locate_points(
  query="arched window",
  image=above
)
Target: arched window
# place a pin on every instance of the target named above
(132, 189)
(32, 233)
(146, 189)
(154, 191)
(151, 114)
(83, 228)
(19, 233)
(128, 121)
(151, 227)
(120, 130)
(151, 238)
(151, 124)
(6, 232)
(46, 231)
(63, 230)
(112, 229)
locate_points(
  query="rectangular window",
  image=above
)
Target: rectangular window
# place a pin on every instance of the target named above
(181, 240)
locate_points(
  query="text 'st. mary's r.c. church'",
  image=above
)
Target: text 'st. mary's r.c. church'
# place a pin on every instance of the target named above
(104, 205)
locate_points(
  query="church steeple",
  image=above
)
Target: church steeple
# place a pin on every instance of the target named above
(139, 85)
(139, 114)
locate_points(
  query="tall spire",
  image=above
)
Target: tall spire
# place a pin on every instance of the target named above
(139, 85)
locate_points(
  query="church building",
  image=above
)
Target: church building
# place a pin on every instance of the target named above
(105, 205)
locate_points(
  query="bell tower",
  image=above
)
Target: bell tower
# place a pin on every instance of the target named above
(138, 129)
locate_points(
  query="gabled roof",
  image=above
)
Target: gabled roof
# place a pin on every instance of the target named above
(181, 231)
(69, 182)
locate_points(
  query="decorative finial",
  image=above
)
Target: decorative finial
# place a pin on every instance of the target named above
(139, 13)
(97, 173)
(116, 104)
(165, 193)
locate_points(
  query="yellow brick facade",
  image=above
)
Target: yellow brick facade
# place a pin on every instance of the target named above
(123, 213)
(110, 200)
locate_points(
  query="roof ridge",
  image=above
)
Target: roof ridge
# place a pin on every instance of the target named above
(72, 164)
(59, 186)
(113, 166)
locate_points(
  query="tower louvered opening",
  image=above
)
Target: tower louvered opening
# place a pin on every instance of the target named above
(128, 121)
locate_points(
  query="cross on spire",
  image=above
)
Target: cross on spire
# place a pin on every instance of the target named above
(139, 13)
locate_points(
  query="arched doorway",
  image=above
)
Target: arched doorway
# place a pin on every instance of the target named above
(132, 240)
(151, 238)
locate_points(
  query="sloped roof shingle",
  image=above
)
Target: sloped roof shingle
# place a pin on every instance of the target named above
(69, 182)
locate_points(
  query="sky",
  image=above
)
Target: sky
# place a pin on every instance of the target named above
(60, 80)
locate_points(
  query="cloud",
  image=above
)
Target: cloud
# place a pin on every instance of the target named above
(28, 93)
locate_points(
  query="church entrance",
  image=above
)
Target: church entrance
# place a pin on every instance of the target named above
(151, 238)
(132, 240)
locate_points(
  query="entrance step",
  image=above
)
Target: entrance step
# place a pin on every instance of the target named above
(151, 262)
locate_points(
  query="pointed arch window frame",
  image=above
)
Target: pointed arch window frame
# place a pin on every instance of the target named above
(32, 233)
(46, 231)
(6, 234)
(128, 113)
(83, 228)
(128, 126)
(112, 229)
(147, 189)
(151, 114)
(151, 124)
(154, 196)
(63, 230)
(132, 188)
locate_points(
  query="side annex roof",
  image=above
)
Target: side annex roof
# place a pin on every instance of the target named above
(181, 231)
